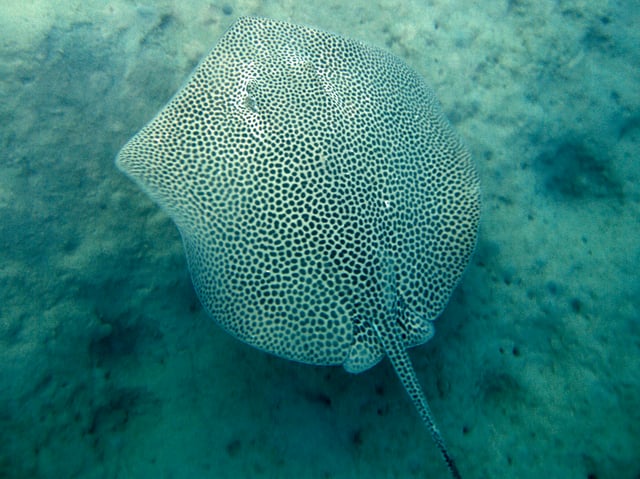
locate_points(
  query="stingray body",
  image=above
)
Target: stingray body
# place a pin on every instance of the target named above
(326, 207)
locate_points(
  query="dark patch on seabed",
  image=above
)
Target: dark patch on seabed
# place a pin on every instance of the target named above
(572, 171)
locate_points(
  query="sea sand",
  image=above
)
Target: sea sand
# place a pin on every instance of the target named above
(109, 367)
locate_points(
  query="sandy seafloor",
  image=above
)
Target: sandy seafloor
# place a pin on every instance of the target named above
(109, 368)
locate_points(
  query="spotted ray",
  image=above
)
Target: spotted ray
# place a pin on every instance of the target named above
(326, 206)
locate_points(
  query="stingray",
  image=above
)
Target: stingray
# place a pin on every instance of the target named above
(326, 206)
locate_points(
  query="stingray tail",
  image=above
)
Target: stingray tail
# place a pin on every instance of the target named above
(390, 332)
(401, 362)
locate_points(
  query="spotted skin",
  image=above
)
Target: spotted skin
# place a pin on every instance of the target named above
(326, 206)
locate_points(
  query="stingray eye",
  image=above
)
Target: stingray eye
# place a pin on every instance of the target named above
(251, 96)
(250, 103)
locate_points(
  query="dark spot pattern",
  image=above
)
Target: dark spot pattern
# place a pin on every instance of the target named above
(326, 206)
(318, 189)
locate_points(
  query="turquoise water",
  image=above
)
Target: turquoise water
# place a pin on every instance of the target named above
(109, 368)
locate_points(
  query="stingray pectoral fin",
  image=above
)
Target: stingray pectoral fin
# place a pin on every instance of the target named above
(392, 343)
(416, 329)
(366, 350)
